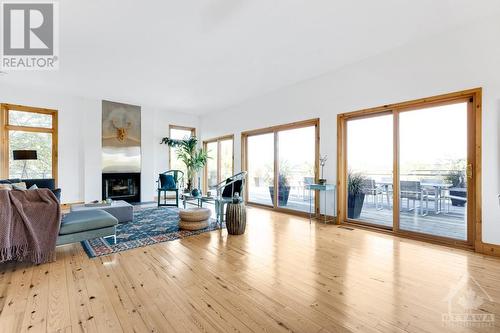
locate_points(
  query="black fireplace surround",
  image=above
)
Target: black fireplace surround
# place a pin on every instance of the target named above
(121, 186)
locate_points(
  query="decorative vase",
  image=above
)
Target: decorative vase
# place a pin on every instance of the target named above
(195, 192)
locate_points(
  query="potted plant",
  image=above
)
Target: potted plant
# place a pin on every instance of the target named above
(284, 190)
(193, 157)
(355, 194)
(456, 178)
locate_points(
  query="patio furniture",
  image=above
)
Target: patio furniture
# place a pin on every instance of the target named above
(387, 191)
(236, 218)
(325, 188)
(371, 188)
(170, 181)
(194, 218)
(435, 190)
(412, 190)
(226, 190)
(87, 224)
(122, 210)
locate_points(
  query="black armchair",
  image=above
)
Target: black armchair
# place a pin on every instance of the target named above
(170, 181)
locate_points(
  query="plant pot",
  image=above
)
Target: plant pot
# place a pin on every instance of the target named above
(283, 194)
(458, 192)
(355, 205)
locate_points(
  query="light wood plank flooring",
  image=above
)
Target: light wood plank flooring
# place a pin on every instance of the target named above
(283, 275)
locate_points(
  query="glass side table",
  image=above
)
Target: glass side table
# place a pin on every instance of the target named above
(322, 188)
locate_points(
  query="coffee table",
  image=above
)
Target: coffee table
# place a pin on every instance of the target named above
(199, 199)
(120, 209)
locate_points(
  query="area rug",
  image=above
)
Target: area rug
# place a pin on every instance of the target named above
(150, 226)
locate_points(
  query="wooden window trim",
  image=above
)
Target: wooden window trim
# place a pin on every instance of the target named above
(170, 128)
(275, 129)
(205, 169)
(474, 231)
(5, 128)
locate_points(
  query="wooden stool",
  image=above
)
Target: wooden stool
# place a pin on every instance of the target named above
(236, 218)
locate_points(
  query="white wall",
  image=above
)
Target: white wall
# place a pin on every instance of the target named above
(80, 140)
(462, 59)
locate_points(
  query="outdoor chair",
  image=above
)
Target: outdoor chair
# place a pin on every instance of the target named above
(226, 190)
(170, 181)
(412, 190)
(370, 188)
(434, 192)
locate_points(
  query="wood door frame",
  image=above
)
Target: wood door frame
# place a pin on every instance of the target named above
(205, 169)
(275, 129)
(5, 128)
(170, 128)
(474, 218)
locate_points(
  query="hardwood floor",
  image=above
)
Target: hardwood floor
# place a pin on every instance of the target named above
(283, 275)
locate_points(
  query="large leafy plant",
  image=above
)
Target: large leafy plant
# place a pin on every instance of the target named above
(188, 152)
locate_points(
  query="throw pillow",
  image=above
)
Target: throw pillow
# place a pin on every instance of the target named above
(19, 186)
(167, 182)
(228, 190)
(33, 187)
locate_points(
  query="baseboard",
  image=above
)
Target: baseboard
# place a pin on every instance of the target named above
(489, 249)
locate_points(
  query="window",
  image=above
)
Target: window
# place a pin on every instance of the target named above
(178, 133)
(28, 128)
(220, 163)
(282, 160)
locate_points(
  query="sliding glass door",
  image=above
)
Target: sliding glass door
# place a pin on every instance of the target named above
(220, 161)
(369, 168)
(410, 167)
(432, 170)
(280, 162)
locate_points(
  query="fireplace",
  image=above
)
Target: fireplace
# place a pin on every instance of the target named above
(121, 186)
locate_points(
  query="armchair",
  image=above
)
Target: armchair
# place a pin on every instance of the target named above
(226, 190)
(170, 181)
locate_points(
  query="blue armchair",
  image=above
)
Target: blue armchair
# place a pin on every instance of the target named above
(170, 181)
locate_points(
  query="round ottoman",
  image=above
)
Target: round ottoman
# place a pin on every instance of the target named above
(194, 218)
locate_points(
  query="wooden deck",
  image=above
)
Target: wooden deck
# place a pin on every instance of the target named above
(451, 224)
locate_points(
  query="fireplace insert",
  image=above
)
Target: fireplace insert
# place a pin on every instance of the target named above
(121, 186)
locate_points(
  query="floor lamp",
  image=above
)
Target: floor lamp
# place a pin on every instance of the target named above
(24, 155)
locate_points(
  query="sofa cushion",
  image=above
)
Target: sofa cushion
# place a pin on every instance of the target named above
(41, 183)
(75, 222)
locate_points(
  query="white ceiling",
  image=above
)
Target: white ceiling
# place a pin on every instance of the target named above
(203, 55)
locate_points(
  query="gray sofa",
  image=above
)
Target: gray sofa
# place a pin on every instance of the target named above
(49, 183)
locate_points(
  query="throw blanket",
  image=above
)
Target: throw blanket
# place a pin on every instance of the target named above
(29, 225)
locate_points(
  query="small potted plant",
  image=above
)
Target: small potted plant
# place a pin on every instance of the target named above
(456, 178)
(355, 195)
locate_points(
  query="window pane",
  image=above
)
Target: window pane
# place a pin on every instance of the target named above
(226, 159)
(42, 143)
(369, 163)
(296, 167)
(260, 168)
(30, 119)
(175, 163)
(212, 165)
(433, 158)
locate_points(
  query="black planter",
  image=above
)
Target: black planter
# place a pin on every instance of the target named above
(355, 205)
(458, 192)
(282, 196)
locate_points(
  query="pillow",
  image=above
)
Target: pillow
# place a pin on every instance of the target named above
(33, 187)
(19, 186)
(167, 182)
(5, 187)
(228, 190)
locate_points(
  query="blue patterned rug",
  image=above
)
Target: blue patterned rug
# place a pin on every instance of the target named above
(150, 226)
